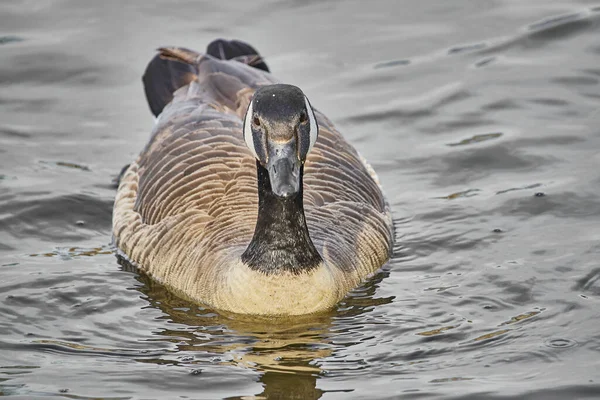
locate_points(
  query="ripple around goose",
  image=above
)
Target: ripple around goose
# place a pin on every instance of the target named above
(236, 202)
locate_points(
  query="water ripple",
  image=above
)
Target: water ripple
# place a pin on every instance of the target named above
(485, 139)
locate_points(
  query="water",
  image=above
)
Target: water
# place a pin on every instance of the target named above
(481, 118)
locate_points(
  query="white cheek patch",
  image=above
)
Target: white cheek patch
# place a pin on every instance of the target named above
(248, 137)
(314, 130)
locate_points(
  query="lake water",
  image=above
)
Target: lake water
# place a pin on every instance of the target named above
(482, 118)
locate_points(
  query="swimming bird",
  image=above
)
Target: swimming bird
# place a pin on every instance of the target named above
(246, 198)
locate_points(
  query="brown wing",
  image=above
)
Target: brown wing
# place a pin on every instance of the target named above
(347, 216)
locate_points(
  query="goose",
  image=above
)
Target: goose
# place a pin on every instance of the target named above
(246, 199)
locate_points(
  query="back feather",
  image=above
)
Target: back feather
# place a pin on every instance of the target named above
(174, 68)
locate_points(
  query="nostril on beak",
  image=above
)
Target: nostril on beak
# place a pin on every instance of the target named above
(284, 176)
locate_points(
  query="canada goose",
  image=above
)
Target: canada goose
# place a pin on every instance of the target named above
(246, 198)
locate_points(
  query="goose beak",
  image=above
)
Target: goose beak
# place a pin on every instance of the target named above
(284, 170)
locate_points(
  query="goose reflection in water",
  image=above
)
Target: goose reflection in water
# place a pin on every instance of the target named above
(285, 352)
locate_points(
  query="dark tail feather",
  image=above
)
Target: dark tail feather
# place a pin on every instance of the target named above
(163, 77)
(234, 49)
(175, 67)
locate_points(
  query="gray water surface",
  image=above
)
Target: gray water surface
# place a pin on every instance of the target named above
(482, 119)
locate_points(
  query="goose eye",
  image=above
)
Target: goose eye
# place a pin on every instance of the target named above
(303, 118)
(256, 121)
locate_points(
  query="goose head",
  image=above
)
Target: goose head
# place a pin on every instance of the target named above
(280, 129)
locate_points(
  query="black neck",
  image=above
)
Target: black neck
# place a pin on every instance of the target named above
(280, 242)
